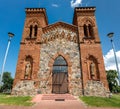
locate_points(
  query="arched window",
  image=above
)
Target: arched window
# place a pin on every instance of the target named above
(31, 27)
(85, 31)
(60, 65)
(90, 31)
(35, 30)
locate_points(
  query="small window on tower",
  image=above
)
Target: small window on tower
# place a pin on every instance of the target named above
(85, 31)
(35, 30)
(90, 31)
(30, 35)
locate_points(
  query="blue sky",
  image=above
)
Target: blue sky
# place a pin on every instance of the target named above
(13, 15)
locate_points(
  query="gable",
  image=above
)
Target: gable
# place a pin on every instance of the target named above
(60, 30)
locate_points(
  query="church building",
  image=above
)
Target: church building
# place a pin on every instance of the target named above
(60, 58)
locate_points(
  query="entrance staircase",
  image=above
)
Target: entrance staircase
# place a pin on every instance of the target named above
(55, 97)
(58, 96)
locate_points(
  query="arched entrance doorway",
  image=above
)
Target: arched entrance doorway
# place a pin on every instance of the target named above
(60, 76)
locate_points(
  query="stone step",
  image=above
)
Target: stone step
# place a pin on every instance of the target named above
(58, 97)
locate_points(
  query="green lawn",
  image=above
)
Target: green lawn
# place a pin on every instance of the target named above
(90, 101)
(12, 100)
(114, 101)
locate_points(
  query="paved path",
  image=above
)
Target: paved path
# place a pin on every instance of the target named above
(69, 104)
(52, 104)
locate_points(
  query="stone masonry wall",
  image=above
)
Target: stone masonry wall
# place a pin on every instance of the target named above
(95, 88)
(48, 51)
(24, 88)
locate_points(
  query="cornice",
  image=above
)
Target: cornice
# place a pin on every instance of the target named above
(83, 11)
(85, 8)
(30, 11)
(35, 9)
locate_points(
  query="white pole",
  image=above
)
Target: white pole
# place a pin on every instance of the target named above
(9, 40)
(114, 51)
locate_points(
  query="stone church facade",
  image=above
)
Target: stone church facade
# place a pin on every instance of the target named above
(60, 58)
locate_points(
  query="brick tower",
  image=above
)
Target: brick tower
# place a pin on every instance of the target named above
(29, 55)
(60, 58)
(92, 64)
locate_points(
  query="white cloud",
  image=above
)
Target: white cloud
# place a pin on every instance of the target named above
(75, 3)
(55, 5)
(110, 60)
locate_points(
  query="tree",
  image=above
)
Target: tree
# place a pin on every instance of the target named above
(7, 82)
(112, 81)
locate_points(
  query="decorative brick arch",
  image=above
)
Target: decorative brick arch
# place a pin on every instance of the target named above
(33, 22)
(67, 59)
(28, 61)
(65, 56)
(87, 20)
(32, 26)
(92, 59)
(88, 25)
(25, 56)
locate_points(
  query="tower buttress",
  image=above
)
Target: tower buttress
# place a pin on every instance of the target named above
(29, 55)
(92, 63)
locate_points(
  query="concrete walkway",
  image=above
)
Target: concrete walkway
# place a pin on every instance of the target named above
(52, 104)
(69, 104)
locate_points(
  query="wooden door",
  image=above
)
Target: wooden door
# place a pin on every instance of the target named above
(60, 76)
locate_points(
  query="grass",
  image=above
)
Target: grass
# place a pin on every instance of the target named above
(12, 100)
(114, 101)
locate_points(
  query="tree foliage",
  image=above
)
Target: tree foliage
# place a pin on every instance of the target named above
(112, 77)
(7, 82)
